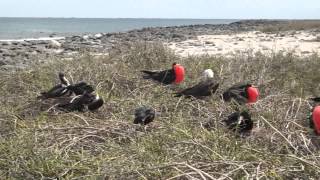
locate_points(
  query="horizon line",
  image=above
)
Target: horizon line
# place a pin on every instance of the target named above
(113, 17)
(35, 17)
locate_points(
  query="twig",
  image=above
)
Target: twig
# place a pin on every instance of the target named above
(279, 133)
(200, 172)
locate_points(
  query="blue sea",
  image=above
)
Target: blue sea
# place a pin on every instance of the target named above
(20, 28)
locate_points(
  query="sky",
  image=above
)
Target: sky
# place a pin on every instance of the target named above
(211, 9)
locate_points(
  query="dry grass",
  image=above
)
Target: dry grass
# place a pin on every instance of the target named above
(36, 144)
(296, 25)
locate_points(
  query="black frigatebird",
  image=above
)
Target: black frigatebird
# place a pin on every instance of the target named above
(205, 88)
(242, 93)
(239, 122)
(173, 75)
(144, 115)
(58, 90)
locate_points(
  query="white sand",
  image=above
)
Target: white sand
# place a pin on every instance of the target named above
(301, 43)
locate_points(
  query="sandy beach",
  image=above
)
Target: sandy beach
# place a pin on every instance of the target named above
(300, 43)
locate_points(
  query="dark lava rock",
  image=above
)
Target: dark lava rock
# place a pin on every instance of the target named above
(25, 44)
(6, 43)
(4, 51)
(178, 36)
(2, 63)
(52, 35)
(8, 55)
(42, 42)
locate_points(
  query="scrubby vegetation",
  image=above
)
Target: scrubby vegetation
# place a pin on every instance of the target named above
(36, 143)
(293, 25)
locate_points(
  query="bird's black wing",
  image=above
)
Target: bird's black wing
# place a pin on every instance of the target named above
(205, 88)
(148, 119)
(315, 99)
(165, 77)
(247, 123)
(80, 88)
(233, 122)
(232, 119)
(56, 91)
(74, 105)
(95, 104)
(240, 86)
(238, 94)
(78, 103)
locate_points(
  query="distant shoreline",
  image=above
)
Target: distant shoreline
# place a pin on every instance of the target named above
(207, 39)
(32, 39)
(104, 25)
(22, 28)
(136, 18)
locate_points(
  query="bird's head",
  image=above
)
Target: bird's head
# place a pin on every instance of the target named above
(63, 79)
(207, 74)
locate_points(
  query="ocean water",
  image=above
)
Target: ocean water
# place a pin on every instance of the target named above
(20, 28)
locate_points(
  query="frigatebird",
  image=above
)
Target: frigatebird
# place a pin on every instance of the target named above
(174, 75)
(80, 102)
(58, 90)
(80, 88)
(144, 115)
(239, 122)
(206, 87)
(242, 93)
